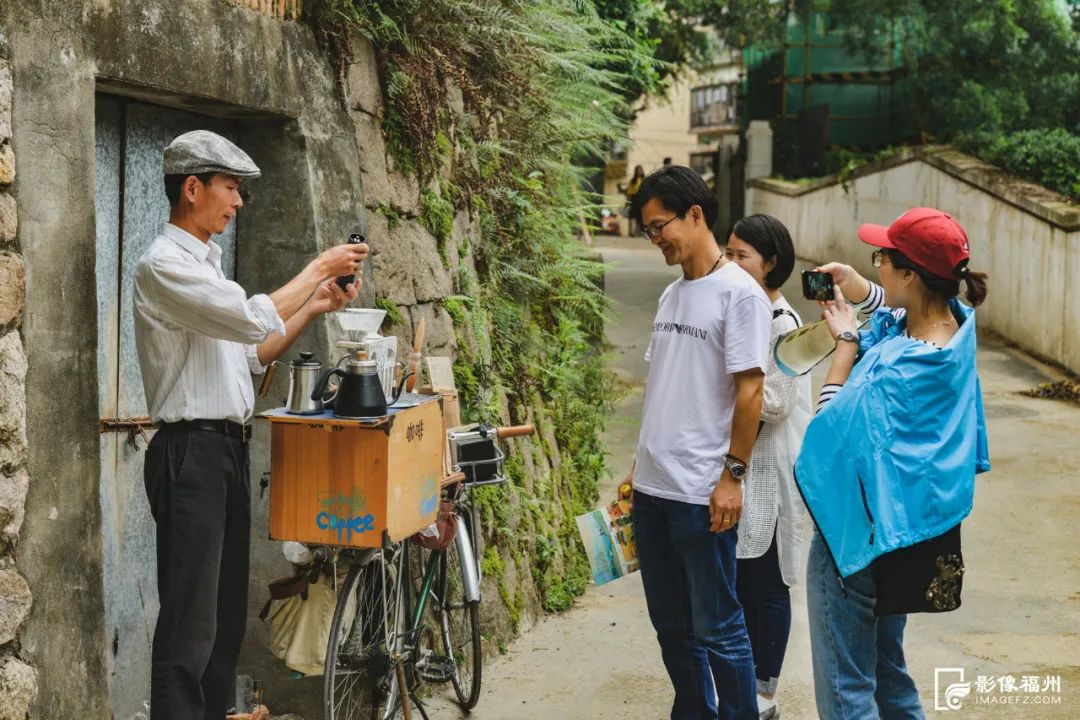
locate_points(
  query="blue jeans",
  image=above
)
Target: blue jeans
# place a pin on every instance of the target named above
(689, 577)
(859, 668)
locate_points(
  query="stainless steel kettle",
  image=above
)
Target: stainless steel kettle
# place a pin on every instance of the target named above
(304, 374)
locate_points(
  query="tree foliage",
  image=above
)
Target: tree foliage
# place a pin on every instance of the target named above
(998, 78)
(685, 33)
(978, 65)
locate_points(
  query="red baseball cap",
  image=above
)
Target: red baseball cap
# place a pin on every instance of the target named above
(931, 239)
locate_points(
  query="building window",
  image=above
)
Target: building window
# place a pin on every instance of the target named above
(713, 106)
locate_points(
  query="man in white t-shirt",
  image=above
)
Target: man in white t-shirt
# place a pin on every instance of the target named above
(707, 358)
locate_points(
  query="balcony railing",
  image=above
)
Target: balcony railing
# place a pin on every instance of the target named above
(713, 107)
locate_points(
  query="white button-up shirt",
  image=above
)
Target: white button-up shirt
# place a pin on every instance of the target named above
(196, 332)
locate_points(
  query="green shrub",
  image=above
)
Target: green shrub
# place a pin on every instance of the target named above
(457, 309)
(1048, 157)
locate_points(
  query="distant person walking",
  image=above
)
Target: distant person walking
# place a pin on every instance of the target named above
(630, 191)
(773, 526)
(888, 465)
(707, 358)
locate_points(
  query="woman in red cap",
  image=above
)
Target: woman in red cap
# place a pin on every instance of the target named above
(888, 464)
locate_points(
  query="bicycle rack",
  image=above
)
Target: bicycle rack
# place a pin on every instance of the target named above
(470, 468)
(477, 454)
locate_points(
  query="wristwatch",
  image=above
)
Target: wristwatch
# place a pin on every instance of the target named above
(736, 467)
(848, 336)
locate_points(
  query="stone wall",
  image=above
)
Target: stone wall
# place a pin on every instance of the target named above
(18, 681)
(409, 271)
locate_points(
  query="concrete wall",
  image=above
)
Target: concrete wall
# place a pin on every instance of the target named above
(1024, 237)
(201, 55)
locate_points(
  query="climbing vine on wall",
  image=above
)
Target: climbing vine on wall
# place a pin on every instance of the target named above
(496, 105)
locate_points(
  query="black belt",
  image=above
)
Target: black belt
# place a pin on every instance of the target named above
(232, 429)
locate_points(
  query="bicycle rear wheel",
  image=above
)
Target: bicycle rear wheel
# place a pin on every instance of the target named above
(459, 622)
(358, 677)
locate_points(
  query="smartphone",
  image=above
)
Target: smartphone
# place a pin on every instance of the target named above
(817, 285)
(344, 280)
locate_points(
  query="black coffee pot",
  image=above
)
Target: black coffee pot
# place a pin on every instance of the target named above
(360, 392)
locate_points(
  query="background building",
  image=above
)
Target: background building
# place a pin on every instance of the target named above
(661, 131)
(715, 118)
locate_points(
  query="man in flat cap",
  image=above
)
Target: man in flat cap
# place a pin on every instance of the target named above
(199, 338)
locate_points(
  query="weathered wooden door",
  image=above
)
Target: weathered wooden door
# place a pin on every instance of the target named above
(130, 206)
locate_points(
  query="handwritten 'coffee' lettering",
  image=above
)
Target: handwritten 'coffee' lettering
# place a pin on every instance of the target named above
(345, 526)
(415, 431)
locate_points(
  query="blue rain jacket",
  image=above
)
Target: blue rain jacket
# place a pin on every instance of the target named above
(891, 460)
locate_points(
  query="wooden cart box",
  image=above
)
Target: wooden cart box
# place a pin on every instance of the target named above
(343, 482)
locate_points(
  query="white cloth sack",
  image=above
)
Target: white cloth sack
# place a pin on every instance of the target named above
(300, 629)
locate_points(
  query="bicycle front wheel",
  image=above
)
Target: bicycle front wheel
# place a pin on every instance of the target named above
(459, 621)
(359, 682)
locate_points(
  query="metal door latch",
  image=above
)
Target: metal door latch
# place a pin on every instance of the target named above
(132, 426)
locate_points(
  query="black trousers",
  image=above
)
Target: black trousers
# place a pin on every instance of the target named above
(200, 496)
(766, 602)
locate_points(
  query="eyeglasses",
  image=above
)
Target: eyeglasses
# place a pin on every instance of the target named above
(654, 231)
(877, 257)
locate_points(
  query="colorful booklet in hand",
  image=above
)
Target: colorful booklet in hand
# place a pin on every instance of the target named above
(608, 535)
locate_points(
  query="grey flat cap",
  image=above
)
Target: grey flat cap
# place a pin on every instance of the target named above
(201, 151)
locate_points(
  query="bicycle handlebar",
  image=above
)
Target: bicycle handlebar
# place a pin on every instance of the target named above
(453, 478)
(515, 431)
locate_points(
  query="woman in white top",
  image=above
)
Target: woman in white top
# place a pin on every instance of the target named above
(771, 548)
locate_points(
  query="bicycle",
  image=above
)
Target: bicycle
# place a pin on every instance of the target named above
(380, 650)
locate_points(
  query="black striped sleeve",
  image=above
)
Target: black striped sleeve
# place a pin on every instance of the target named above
(874, 300)
(828, 392)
